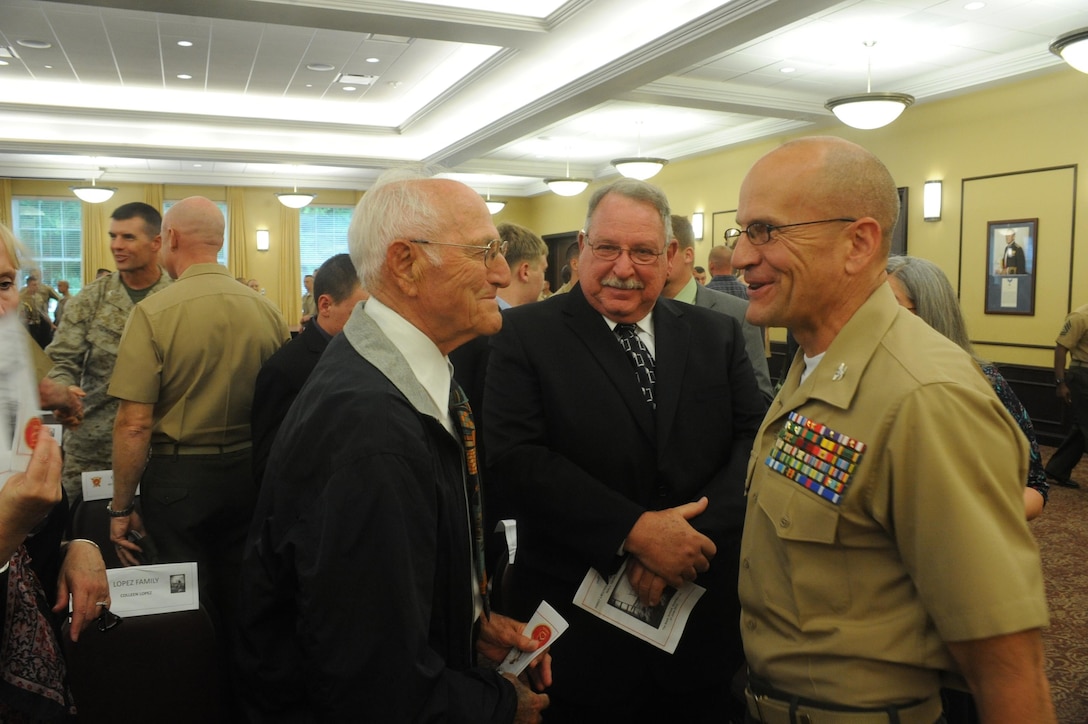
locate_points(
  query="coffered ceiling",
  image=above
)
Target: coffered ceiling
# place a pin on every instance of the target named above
(328, 93)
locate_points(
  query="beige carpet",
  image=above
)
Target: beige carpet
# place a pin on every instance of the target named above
(1062, 532)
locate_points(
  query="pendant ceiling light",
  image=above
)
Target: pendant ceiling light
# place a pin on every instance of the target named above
(567, 186)
(93, 194)
(494, 206)
(295, 200)
(869, 110)
(1072, 47)
(639, 167)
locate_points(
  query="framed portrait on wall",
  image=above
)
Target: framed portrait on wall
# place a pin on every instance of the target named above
(899, 233)
(1011, 260)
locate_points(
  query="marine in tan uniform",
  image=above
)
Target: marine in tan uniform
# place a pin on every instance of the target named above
(185, 372)
(1072, 389)
(34, 313)
(885, 544)
(84, 347)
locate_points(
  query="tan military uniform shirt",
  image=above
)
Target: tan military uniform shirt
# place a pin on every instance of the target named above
(1074, 335)
(886, 518)
(194, 350)
(84, 350)
(42, 363)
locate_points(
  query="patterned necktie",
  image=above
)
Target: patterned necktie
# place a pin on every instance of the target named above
(462, 415)
(641, 359)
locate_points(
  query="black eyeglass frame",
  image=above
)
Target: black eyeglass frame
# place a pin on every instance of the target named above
(607, 255)
(490, 251)
(732, 235)
(108, 620)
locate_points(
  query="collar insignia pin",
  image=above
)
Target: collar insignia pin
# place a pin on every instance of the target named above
(839, 372)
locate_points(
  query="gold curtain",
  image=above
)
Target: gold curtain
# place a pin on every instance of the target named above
(236, 246)
(5, 203)
(96, 248)
(290, 271)
(155, 196)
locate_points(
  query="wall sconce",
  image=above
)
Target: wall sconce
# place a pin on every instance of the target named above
(262, 239)
(931, 201)
(697, 225)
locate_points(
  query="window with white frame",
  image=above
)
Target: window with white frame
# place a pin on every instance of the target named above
(322, 233)
(52, 231)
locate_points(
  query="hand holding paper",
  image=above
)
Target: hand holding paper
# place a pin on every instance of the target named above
(667, 544)
(543, 629)
(28, 497)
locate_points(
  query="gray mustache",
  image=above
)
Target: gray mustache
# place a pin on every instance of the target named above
(616, 283)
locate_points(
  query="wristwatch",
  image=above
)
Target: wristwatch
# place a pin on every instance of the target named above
(1059, 381)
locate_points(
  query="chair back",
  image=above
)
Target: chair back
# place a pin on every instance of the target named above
(164, 667)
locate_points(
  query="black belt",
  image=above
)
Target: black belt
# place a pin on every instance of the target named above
(172, 448)
(770, 706)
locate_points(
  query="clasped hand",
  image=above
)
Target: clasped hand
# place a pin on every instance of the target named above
(667, 551)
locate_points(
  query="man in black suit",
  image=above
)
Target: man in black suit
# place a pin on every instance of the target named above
(681, 285)
(604, 459)
(337, 290)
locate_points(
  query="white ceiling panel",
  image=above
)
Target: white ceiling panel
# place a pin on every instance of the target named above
(501, 93)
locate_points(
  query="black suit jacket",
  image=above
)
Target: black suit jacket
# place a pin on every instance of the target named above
(572, 444)
(736, 308)
(278, 383)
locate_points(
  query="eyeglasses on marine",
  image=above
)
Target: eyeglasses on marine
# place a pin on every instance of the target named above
(760, 233)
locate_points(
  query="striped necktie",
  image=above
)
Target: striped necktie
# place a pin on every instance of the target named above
(641, 359)
(462, 415)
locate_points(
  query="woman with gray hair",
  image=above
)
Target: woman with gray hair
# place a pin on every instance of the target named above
(922, 287)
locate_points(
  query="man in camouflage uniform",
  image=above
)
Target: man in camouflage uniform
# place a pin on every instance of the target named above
(85, 346)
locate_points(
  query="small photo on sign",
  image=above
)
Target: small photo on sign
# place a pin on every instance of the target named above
(177, 583)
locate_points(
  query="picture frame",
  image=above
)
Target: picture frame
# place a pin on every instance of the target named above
(1012, 257)
(899, 233)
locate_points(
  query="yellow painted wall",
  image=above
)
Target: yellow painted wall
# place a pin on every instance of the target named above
(1033, 124)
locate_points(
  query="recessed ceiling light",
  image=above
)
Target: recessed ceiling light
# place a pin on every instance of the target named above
(349, 88)
(309, 85)
(395, 84)
(185, 76)
(36, 44)
(185, 43)
(6, 52)
(373, 60)
(787, 69)
(974, 6)
(320, 67)
(48, 67)
(198, 165)
(3, 62)
(357, 79)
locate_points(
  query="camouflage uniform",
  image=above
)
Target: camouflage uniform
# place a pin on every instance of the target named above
(84, 350)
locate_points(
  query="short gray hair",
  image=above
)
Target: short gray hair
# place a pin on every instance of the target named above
(637, 191)
(395, 207)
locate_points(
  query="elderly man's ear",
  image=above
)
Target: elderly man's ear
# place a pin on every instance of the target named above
(406, 263)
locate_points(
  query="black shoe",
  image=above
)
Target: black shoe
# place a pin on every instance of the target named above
(1064, 482)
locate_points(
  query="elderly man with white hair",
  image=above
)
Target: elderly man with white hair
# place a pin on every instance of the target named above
(363, 588)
